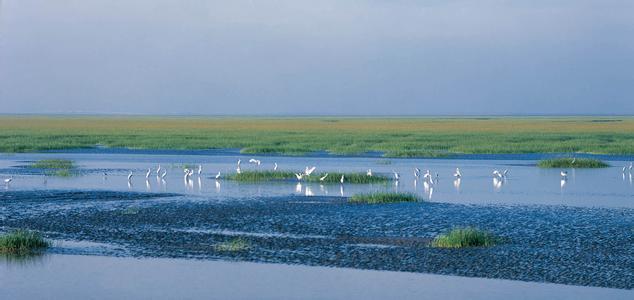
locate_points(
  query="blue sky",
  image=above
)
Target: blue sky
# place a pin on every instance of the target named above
(347, 57)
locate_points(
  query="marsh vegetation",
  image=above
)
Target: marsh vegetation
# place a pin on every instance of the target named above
(572, 163)
(464, 237)
(383, 197)
(22, 242)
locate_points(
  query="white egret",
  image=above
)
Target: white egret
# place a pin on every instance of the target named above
(341, 180)
(631, 165)
(255, 161)
(624, 169)
(239, 161)
(574, 159)
(396, 175)
(8, 180)
(158, 170)
(457, 174)
(147, 175)
(322, 178)
(164, 174)
(369, 172)
(497, 174)
(275, 167)
(416, 172)
(310, 170)
(506, 171)
(427, 176)
(218, 175)
(200, 169)
(299, 176)
(564, 174)
(130, 176)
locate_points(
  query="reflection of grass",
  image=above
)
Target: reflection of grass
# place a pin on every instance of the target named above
(55, 167)
(234, 245)
(257, 176)
(22, 242)
(384, 162)
(464, 237)
(380, 198)
(572, 163)
(396, 137)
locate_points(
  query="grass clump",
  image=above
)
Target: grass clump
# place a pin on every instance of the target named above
(255, 176)
(234, 245)
(58, 164)
(22, 242)
(258, 176)
(464, 237)
(572, 163)
(359, 178)
(379, 198)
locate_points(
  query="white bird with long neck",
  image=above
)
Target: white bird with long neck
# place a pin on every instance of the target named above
(130, 176)
(631, 166)
(506, 171)
(310, 170)
(8, 180)
(322, 178)
(164, 174)
(158, 170)
(416, 173)
(147, 175)
(255, 161)
(239, 161)
(564, 174)
(342, 179)
(275, 167)
(200, 169)
(218, 175)
(457, 174)
(369, 172)
(396, 175)
(299, 176)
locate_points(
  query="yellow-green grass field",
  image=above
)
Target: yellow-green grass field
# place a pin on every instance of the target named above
(395, 137)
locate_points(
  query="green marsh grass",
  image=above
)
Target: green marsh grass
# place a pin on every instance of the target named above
(572, 163)
(260, 176)
(395, 137)
(22, 242)
(464, 237)
(234, 245)
(381, 198)
(55, 167)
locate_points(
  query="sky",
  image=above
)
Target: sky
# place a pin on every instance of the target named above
(325, 57)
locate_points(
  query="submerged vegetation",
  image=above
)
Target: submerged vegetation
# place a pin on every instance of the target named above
(234, 245)
(395, 137)
(55, 167)
(572, 163)
(464, 237)
(257, 176)
(22, 242)
(379, 198)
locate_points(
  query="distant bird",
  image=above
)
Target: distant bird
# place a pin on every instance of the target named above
(506, 171)
(238, 170)
(498, 175)
(158, 170)
(564, 174)
(8, 180)
(105, 174)
(574, 159)
(218, 175)
(457, 174)
(255, 161)
(624, 169)
(239, 161)
(275, 167)
(310, 170)
(200, 169)
(186, 171)
(147, 175)
(369, 172)
(299, 176)
(164, 174)
(427, 177)
(416, 173)
(322, 178)
(130, 176)
(630, 166)
(396, 175)
(342, 179)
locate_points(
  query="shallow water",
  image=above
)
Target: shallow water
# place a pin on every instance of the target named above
(575, 232)
(90, 277)
(526, 184)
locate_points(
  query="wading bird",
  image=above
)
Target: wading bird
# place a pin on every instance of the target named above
(158, 170)
(564, 174)
(255, 161)
(218, 175)
(275, 167)
(457, 174)
(8, 180)
(164, 174)
(322, 178)
(147, 175)
(396, 175)
(239, 161)
(200, 169)
(130, 176)
(417, 173)
(369, 172)
(341, 180)
(299, 176)
(310, 170)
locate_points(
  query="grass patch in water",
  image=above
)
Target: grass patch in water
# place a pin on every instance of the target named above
(257, 176)
(22, 242)
(234, 245)
(59, 164)
(464, 237)
(572, 163)
(380, 198)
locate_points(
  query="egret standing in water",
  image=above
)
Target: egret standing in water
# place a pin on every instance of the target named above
(158, 170)
(299, 176)
(342, 179)
(130, 176)
(310, 170)
(8, 180)
(147, 175)
(416, 173)
(218, 175)
(200, 169)
(164, 174)
(369, 172)
(457, 174)
(322, 178)
(396, 175)
(564, 174)
(275, 167)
